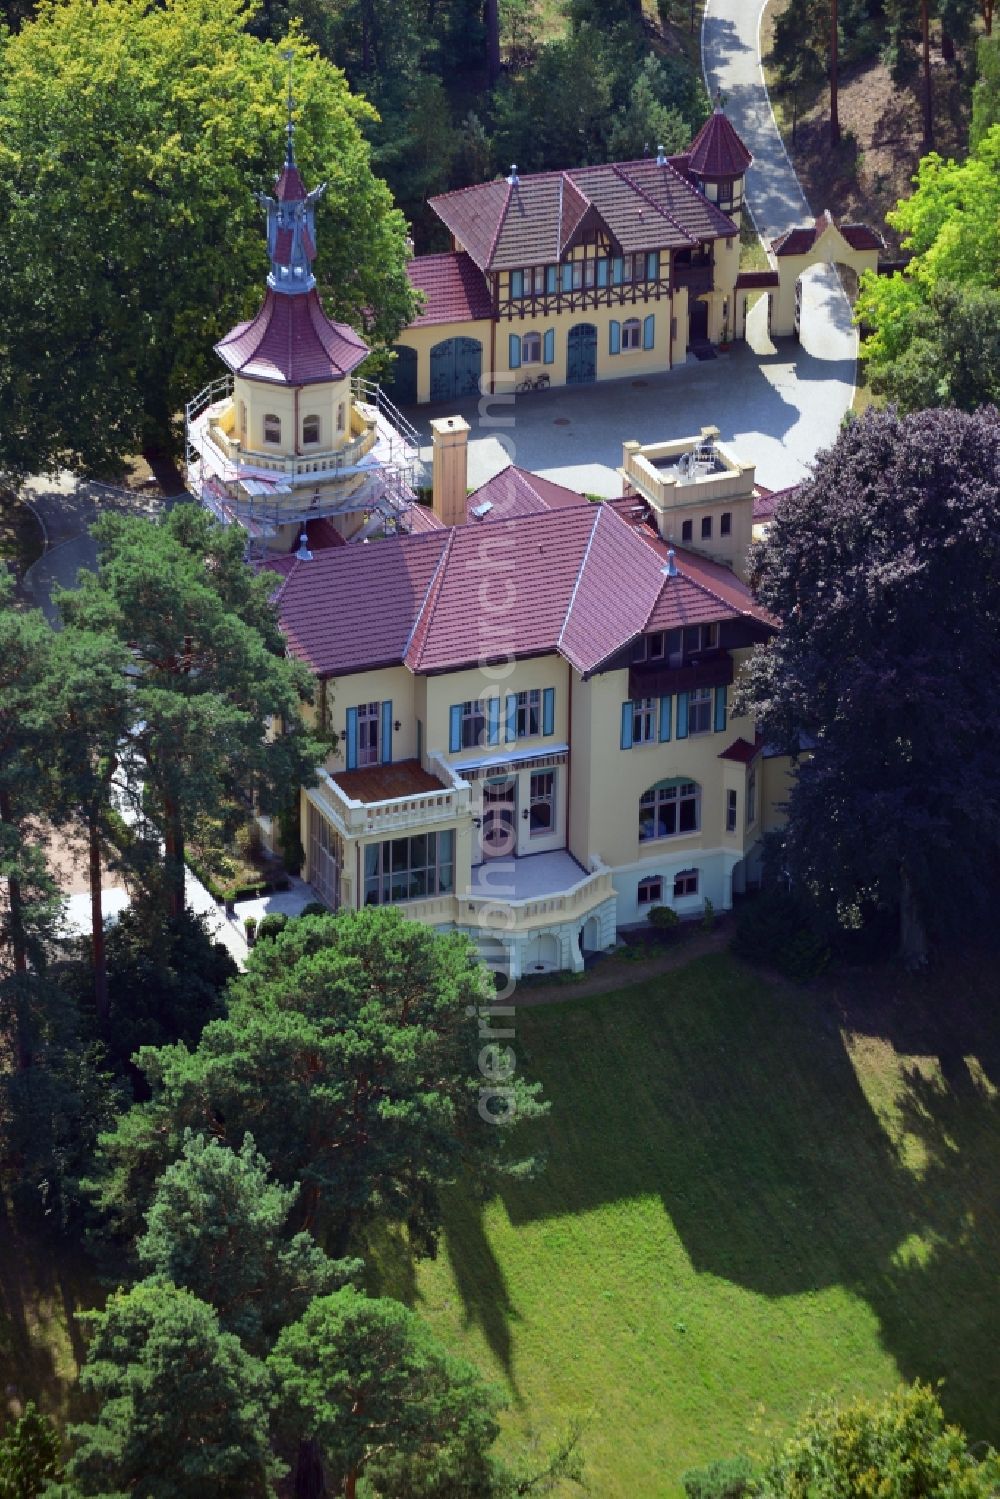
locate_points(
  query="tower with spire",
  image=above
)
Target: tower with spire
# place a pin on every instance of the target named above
(291, 437)
(718, 161)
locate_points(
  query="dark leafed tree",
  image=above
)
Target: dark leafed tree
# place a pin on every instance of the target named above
(356, 1053)
(208, 670)
(884, 569)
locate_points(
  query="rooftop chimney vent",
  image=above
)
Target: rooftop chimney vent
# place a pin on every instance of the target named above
(670, 571)
(303, 554)
(661, 157)
(513, 179)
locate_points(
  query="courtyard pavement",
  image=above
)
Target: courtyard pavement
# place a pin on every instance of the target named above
(777, 406)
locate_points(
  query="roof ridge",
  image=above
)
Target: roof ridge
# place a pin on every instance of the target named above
(500, 223)
(663, 212)
(668, 166)
(427, 603)
(579, 575)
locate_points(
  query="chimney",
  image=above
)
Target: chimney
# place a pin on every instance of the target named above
(513, 179)
(450, 440)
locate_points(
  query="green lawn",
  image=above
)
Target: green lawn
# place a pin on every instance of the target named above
(752, 1195)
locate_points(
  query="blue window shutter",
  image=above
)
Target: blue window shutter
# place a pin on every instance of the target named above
(455, 729)
(516, 285)
(551, 277)
(567, 276)
(682, 715)
(618, 270)
(648, 328)
(614, 336)
(352, 739)
(666, 712)
(386, 745)
(514, 352)
(549, 349)
(493, 720)
(626, 725)
(602, 271)
(652, 265)
(511, 713)
(720, 709)
(549, 710)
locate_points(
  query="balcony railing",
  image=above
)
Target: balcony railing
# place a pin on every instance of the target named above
(384, 818)
(696, 278)
(708, 669)
(317, 466)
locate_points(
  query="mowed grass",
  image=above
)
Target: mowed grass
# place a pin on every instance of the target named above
(753, 1195)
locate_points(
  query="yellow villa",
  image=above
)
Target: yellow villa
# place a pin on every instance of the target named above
(569, 277)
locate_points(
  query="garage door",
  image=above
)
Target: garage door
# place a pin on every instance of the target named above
(456, 367)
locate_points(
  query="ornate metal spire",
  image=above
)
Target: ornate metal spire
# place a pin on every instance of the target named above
(291, 217)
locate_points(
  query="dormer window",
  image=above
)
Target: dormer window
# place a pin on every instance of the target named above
(310, 429)
(272, 428)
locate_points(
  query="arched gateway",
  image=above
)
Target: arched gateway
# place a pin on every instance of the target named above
(821, 243)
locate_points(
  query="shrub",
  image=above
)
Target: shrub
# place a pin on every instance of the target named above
(708, 916)
(272, 925)
(780, 929)
(726, 1479)
(663, 918)
(250, 927)
(315, 908)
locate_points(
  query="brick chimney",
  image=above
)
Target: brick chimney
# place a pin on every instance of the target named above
(450, 439)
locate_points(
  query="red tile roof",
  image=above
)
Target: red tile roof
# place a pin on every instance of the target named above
(291, 341)
(320, 533)
(585, 582)
(765, 503)
(513, 491)
(717, 151)
(801, 241)
(453, 286)
(742, 751)
(289, 187)
(641, 204)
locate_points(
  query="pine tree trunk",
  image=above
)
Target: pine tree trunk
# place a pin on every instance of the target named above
(97, 922)
(310, 1479)
(173, 842)
(491, 17)
(351, 1485)
(834, 92)
(19, 945)
(912, 934)
(925, 25)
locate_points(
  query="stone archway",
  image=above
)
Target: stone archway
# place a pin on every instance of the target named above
(822, 243)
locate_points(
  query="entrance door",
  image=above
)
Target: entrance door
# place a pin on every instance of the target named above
(456, 367)
(499, 831)
(581, 354)
(402, 384)
(697, 322)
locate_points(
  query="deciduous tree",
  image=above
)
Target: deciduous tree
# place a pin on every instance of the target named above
(884, 570)
(901, 1448)
(135, 136)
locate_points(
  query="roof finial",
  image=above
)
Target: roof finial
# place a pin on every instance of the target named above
(719, 102)
(289, 56)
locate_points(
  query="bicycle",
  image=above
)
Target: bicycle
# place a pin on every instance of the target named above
(533, 382)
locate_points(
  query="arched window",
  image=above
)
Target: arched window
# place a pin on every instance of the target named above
(272, 428)
(310, 429)
(243, 422)
(531, 348)
(341, 416)
(631, 333)
(669, 808)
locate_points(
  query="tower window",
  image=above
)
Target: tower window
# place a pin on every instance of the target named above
(272, 428)
(726, 523)
(310, 429)
(687, 530)
(243, 422)
(706, 528)
(341, 417)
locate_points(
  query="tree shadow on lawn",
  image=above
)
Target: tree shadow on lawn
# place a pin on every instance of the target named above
(737, 1103)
